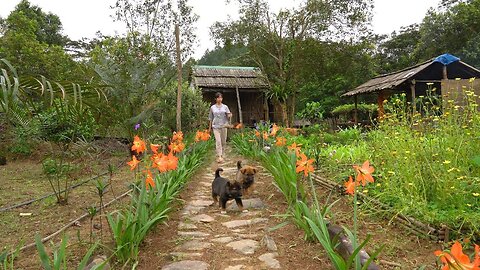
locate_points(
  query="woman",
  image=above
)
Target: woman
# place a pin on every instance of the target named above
(219, 117)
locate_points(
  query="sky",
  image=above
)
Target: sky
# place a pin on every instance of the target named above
(84, 18)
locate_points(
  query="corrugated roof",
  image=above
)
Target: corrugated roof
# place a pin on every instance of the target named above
(228, 77)
(388, 81)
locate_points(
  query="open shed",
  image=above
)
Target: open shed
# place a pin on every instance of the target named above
(415, 80)
(243, 90)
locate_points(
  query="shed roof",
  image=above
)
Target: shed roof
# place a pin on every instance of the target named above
(225, 77)
(429, 70)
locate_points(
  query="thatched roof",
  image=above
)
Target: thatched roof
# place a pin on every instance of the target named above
(429, 70)
(213, 78)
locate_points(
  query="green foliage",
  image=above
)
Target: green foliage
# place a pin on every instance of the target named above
(349, 108)
(64, 123)
(25, 138)
(59, 260)
(313, 111)
(7, 260)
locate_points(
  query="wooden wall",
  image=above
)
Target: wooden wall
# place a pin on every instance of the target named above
(456, 90)
(252, 103)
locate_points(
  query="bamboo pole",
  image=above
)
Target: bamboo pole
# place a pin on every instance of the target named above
(412, 90)
(179, 71)
(355, 116)
(240, 116)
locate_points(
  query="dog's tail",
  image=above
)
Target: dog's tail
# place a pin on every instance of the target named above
(217, 172)
(239, 164)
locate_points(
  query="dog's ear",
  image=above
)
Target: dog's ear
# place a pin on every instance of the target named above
(255, 170)
(243, 170)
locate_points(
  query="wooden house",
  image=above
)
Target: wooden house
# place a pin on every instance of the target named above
(243, 89)
(437, 73)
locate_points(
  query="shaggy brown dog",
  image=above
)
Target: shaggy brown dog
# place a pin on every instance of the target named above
(246, 177)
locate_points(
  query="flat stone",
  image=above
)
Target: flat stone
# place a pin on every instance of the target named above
(192, 210)
(270, 261)
(245, 247)
(203, 218)
(241, 223)
(186, 226)
(269, 243)
(97, 262)
(177, 256)
(194, 245)
(254, 203)
(223, 240)
(247, 236)
(193, 234)
(206, 184)
(200, 203)
(187, 265)
(236, 267)
(238, 230)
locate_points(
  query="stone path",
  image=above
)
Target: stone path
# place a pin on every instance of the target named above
(208, 239)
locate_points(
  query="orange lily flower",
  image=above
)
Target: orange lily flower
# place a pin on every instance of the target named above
(172, 162)
(281, 141)
(457, 260)
(138, 145)
(154, 148)
(176, 147)
(133, 163)
(364, 173)
(177, 136)
(160, 162)
(257, 134)
(305, 165)
(239, 125)
(350, 186)
(149, 182)
(274, 131)
(294, 147)
(202, 136)
(265, 135)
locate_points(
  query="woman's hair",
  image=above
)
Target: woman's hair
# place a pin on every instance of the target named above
(218, 94)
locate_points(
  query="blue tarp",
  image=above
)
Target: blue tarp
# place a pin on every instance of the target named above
(446, 59)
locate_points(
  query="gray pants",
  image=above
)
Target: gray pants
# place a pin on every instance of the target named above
(220, 140)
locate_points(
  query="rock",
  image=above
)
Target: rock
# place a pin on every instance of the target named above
(203, 218)
(187, 265)
(270, 261)
(194, 245)
(177, 256)
(269, 243)
(223, 240)
(236, 267)
(200, 203)
(97, 262)
(193, 234)
(240, 223)
(247, 235)
(245, 247)
(186, 226)
(254, 203)
(192, 210)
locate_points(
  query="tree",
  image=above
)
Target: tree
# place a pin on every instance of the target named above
(33, 43)
(273, 39)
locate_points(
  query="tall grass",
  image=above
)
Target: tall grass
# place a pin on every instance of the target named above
(428, 162)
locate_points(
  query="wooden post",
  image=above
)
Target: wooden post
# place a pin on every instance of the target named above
(265, 107)
(355, 116)
(445, 74)
(412, 90)
(179, 71)
(381, 110)
(240, 116)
